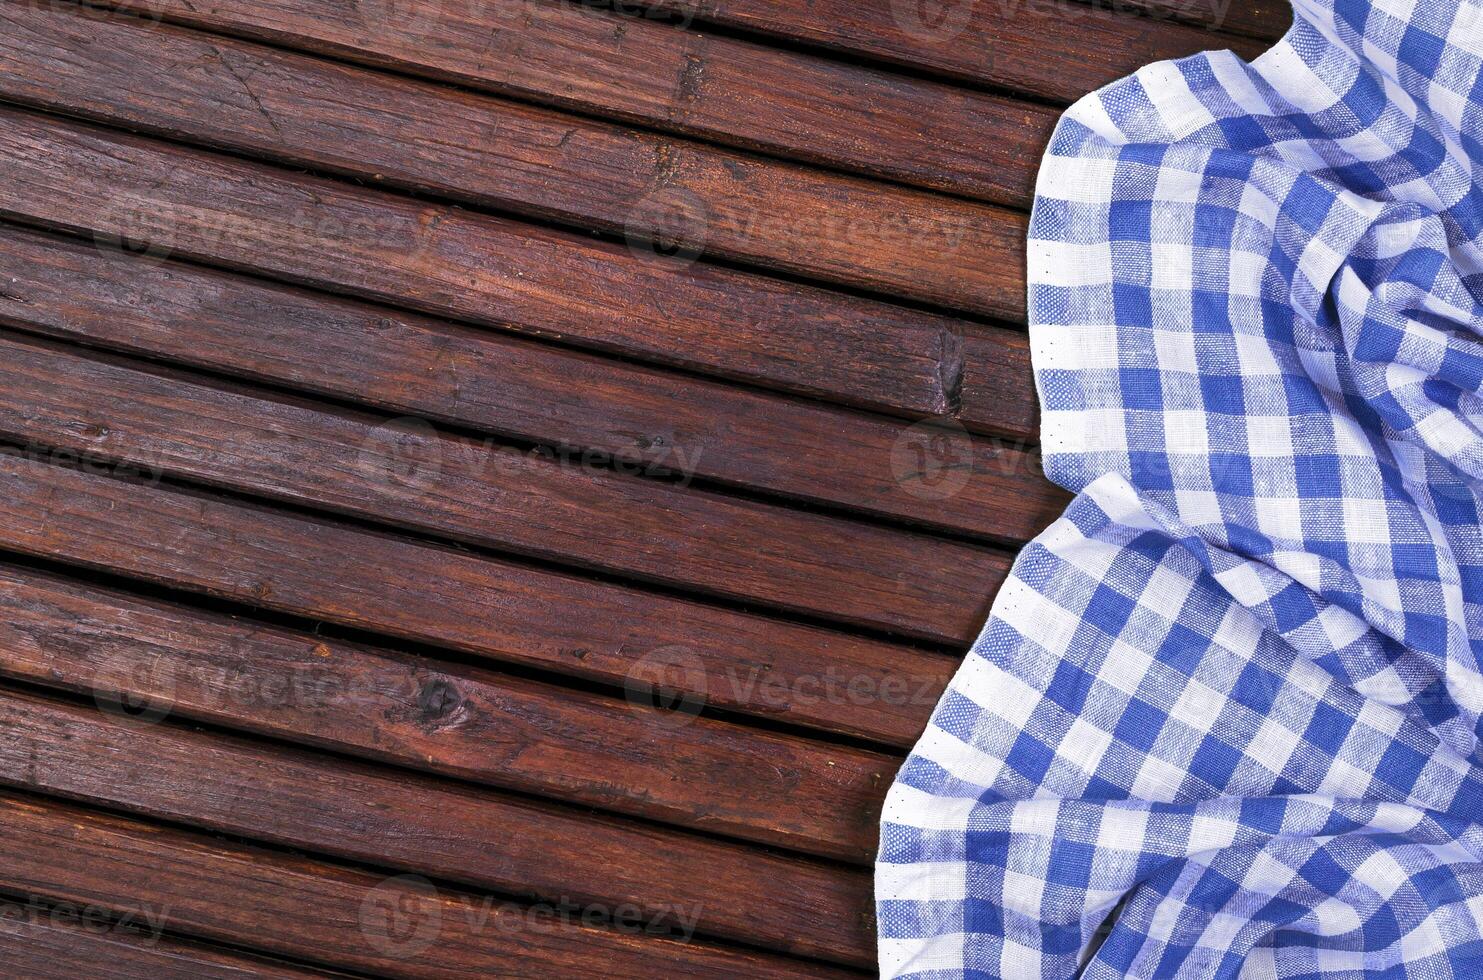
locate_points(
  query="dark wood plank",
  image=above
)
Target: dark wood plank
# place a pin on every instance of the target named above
(492, 152)
(618, 754)
(42, 942)
(998, 384)
(733, 92)
(1059, 50)
(492, 495)
(324, 570)
(493, 271)
(335, 916)
(424, 826)
(1264, 19)
(646, 419)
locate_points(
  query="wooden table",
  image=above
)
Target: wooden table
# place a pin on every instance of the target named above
(495, 487)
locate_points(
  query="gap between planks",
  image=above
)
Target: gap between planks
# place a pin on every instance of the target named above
(982, 485)
(64, 853)
(487, 152)
(750, 96)
(403, 823)
(493, 272)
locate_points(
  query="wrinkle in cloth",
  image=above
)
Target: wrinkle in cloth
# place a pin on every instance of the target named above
(1224, 719)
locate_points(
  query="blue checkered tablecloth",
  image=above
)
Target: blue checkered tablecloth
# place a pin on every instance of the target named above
(1224, 720)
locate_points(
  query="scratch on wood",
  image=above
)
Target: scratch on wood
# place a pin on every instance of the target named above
(247, 89)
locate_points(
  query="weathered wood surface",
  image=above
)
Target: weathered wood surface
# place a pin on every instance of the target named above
(621, 755)
(641, 618)
(491, 271)
(64, 942)
(997, 375)
(366, 579)
(647, 419)
(492, 495)
(734, 92)
(1033, 46)
(416, 825)
(1267, 20)
(329, 914)
(395, 132)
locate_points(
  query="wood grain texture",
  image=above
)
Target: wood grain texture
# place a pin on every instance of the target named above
(733, 92)
(423, 826)
(492, 271)
(646, 419)
(716, 481)
(492, 495)
(1267, 20)
(41, 942)
(324, 570)
(507, 732)
(1057, 50)
(356, 919)
(996, 394)
(483, 151)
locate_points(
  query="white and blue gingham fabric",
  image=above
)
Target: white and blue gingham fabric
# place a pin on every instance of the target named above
(1224, 720)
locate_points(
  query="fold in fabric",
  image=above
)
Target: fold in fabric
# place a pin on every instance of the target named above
(1224, 719)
